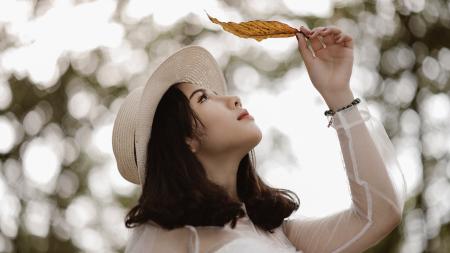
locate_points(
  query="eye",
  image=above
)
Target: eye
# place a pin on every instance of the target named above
(202, 96)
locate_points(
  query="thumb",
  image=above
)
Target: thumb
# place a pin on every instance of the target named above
(303, 47)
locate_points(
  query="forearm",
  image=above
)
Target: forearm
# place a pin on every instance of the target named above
(376, 184)
(364, 144)
(361, 155)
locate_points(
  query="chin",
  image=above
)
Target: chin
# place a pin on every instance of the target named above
(256, 138)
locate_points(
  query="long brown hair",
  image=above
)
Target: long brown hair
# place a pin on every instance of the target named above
(177, 192)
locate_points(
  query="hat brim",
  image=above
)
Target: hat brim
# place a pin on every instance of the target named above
(123, 136)
(192, 64)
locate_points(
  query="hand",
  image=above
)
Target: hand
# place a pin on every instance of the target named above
(331, 67)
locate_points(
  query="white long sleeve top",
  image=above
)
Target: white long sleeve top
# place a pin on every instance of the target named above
(378, 193)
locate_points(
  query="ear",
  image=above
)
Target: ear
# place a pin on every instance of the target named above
(193, 144)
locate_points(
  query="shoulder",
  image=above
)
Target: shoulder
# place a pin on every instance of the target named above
(153, 238)
(295, 222)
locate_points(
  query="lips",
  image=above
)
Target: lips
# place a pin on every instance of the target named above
(242, 114)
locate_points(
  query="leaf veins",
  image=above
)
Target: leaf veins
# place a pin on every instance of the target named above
(257, 29)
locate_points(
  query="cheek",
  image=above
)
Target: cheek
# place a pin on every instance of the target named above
(225, 132)
(228, 128)
(220, 124)
(215, 115)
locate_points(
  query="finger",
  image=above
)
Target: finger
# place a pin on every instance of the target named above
(346, 39)
(332, 35)
(348, 42)
(316, 31)
(328, 37)
(328, 40)
(331, 30)
(316, 44)
(305, 31)
(339, 38)
(303, 48)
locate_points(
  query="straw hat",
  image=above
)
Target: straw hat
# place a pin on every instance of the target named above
(133, 124)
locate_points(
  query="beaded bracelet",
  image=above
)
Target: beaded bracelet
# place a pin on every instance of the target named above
(330, 112)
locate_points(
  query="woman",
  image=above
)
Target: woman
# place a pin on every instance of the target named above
(187, 143)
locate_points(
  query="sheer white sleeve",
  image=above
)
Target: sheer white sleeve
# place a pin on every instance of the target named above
(377, 187)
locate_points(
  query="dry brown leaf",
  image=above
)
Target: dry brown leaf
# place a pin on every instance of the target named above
(257, 29)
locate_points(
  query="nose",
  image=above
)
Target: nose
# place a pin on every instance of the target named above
(234, 101)
(237, 101)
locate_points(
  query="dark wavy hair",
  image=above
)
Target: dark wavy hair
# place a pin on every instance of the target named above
(177, 192)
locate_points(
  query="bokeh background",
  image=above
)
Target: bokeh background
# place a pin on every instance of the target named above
(66, 66)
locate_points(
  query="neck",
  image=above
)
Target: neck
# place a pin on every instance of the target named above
(222, 170)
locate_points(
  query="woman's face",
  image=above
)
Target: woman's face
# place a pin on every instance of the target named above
(223, 131)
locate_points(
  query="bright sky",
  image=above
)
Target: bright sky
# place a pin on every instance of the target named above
(65, 29)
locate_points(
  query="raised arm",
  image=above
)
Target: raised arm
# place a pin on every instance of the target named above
(377, 188)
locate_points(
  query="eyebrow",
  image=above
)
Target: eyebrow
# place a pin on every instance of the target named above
(198, 90)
